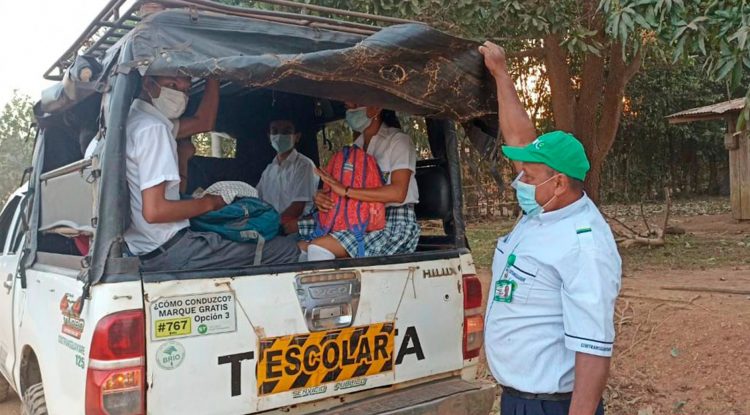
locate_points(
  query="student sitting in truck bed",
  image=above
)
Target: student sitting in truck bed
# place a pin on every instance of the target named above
(381, 137)
(289, 182)
(158, 232)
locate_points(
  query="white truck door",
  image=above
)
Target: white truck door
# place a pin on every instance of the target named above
(10, 238)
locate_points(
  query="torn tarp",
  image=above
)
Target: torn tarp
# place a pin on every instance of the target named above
(410, 68)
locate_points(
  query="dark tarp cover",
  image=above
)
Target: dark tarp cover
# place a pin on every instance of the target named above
(410, 68)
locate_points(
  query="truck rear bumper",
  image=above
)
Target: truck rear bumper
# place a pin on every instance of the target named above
(449, 397)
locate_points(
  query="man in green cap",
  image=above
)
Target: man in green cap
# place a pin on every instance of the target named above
(549, 323)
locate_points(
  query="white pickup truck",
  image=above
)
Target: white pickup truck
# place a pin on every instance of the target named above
(83, 331)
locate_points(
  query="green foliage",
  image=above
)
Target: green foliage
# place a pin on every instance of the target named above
(16, 144)
(649, 154)
(202, 143)
(716, 30)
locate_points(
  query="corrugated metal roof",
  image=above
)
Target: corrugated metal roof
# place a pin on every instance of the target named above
(708, 112)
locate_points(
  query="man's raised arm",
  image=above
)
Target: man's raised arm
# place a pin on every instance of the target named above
(515, 124)
(204, 119)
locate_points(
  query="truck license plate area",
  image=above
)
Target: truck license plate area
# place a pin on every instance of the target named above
(328, 300)
(307, 360)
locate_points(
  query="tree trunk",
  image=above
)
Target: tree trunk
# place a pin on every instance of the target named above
(593, 181)
(561, 90)
(594, 115)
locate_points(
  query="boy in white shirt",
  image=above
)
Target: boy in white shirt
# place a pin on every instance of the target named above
(159, 232)
(289, 182)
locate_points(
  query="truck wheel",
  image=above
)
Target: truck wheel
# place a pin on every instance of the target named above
(33, 401)
(4, 389)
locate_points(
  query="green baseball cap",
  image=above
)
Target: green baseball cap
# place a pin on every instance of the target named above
(558, 150)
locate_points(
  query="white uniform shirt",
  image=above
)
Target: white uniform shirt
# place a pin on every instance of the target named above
(289, 181)
(94, 143)
(151, 160)
(393, 150)
(566, 274)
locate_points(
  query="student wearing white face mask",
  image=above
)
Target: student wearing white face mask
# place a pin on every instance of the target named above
(159, 232)
(288, 183)
(380, 135)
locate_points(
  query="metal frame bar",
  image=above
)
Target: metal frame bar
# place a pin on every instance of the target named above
(110, 11)
(292, 18)
(331, 10)
(96, 40)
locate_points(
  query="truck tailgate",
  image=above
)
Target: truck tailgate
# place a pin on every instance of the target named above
(251, 343)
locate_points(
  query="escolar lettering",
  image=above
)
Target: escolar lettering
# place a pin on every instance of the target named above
(308, 360)
(331, 355)
(302, 363)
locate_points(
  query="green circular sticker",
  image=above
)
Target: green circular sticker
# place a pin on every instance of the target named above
(170, 355)
(202, 329)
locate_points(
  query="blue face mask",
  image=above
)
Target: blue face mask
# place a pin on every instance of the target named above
(357, 119)
(282, 142)
(526, 196)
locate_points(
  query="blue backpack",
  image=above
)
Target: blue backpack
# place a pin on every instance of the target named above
(248, 219)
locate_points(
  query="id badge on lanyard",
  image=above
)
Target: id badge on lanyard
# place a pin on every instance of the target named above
(504, 286)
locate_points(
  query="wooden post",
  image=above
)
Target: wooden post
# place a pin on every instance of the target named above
(744, 162)
(738, 146)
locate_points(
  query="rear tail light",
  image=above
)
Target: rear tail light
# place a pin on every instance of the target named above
(116, 377)
(473, 320)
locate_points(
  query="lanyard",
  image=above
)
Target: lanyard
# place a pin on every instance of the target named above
(508, 263)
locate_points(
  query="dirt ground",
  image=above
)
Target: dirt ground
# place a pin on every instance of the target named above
(684, 352)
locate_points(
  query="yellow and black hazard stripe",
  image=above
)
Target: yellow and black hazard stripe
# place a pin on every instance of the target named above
(307, 360)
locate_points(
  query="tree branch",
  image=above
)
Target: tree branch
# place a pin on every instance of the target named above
(659, 239)
(645, 220)
(592, 78)
(632, 231)
(614, 91)
(634, 66)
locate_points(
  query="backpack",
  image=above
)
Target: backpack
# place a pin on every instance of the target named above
(352, 167)
(247, 219)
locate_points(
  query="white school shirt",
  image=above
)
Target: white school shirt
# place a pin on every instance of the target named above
(567, 276)
(393, 150)
(94, 143)
(292, 180)
(151, 152)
